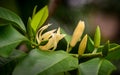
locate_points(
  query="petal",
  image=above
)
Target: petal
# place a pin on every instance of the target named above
(57, 38)
(58, 31)
(48, 46)
(39, 33)
(48, 34)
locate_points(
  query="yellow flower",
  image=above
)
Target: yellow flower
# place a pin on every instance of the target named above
(77, 33)
(52, 37)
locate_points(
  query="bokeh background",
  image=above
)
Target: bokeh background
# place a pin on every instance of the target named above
(67, 13)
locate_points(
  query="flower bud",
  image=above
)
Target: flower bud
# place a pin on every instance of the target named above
(97, 37)
(82, 45)
(77, 33)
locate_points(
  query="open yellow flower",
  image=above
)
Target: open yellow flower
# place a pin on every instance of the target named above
(52, 38)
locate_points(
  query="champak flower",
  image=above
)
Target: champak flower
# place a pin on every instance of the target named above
(50, 38)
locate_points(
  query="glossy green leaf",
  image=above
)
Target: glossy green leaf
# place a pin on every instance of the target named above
(90, 45)
(39, 18)
(63, 73)
(46, 63)
(30, 32)
(97, 37)
(9, 39)
(12, 17)
(115, 53)
(7, 64)
(67, 36)
(34, 11)
(105, 49)
(96, 66)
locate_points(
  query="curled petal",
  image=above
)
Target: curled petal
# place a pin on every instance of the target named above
(47, 35)
(49, 45)
(58, 31)
(40, 31)
(57, 39)
(58, 35)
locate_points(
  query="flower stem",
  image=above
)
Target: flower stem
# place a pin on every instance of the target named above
(69, 49)
(114, 48)
(94, 51)
(98, 54)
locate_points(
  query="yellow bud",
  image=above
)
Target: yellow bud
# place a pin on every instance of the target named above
(77, 33)
(82, 45)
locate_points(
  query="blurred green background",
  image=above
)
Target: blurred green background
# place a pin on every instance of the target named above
(67, 13)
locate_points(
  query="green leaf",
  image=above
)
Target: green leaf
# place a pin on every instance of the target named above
(7, 64)
(9, 39)
(39, 18)
(67, 36)
(13, 56)
(96, 66)
(46, 63)
(115, 53)
(63, 73)
(97, 37)
(30, 31)
(34, 11)
(105, 49)
(12, 17)
(90, 45)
